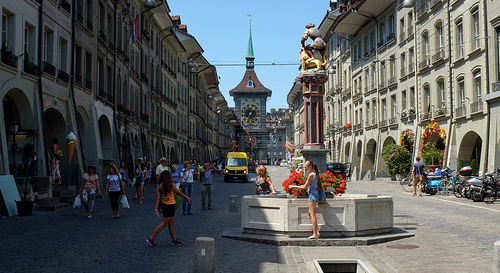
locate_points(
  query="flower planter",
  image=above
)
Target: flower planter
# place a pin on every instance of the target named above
(344, 215)
(24, 208)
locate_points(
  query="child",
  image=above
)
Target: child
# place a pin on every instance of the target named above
(165, 198)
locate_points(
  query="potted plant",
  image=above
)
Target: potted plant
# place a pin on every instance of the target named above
(432, 155)
(398, 160)
(26, 171)
(331, 183)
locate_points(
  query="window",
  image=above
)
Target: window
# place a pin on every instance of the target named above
(88, 68)
(403, 64)
(250, 84)
(382, 72)
(439, 38)
(477, 85)
(101, 17)
(475, 21)
(8, 24)
(63, 55)
(402, 29)
(393, 68)
(29, 42)
(374, 112)
(460, 39)
(442, 93)
(412, 97)
(381, 35)
(367, 79)
(461, 89)
(403, 99)
(48, 45)
(384, 109)
(394, 106)
(5, 27)
(425, 46)
(426, 99)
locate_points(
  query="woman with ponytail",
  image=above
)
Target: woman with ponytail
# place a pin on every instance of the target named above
(313, 187)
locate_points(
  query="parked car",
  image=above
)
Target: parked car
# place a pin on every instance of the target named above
(341, 169)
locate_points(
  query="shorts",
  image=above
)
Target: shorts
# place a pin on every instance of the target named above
(168, 210)
(417, 180)
(313, 197)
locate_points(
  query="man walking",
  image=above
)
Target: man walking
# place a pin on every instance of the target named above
(418, 176)
(206, 184)
(162, 167)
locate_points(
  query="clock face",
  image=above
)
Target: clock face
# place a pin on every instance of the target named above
(250, 113)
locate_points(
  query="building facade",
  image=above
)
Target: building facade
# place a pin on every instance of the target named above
(279, 125)
(128, 80)
(412, 76)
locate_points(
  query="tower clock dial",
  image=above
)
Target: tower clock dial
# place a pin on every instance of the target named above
(250, 113)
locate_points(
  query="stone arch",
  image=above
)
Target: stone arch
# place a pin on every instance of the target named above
(347, 152)
(470, 148)
(55, 127)
(370, 155)
(381, 166)
(105, 134)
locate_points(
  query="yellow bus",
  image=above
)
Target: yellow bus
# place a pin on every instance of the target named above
(236, 167)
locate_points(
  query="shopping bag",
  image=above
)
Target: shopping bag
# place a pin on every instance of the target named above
(125, 204)
(177, 201)
(78, 201)
(133, 181)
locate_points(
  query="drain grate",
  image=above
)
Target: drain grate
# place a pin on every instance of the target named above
(406, 224)
(399, 246)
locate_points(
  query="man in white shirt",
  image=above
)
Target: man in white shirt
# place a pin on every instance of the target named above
(162, 167)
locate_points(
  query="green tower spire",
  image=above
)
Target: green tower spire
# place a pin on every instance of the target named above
(250, 57)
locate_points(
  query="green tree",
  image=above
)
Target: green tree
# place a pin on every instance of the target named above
(397, 158)
(432, 155)
(474, 166)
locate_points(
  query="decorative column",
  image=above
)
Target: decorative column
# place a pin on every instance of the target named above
(313, 88)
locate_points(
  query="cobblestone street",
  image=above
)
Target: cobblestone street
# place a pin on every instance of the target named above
(452, 235)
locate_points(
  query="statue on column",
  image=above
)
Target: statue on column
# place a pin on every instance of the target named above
(308, 53)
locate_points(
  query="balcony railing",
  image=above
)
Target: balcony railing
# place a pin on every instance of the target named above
(87, 83)
(422, 10)
(63, 76)
(49, 69)
(402, 36)
(78, 79)
(476, 106)
(101, 93)
(102, 36)
(391, 37)
(438, 56)
(381, 43)
(382, 85)
(411, 68)
(423, 64)
(393, 120)
(410, 31)
(79, 17)
(90, 26)
(391, 81)
(461, 111)
(9, 59)
(495, 87)
(383, 123)
(111, 46)
(65, 5)
(30, 68)
(403, 71)
(432, 3)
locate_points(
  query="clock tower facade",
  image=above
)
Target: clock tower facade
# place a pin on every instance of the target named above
(250, 97)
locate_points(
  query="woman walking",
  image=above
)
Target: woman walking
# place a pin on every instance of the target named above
(165, 198)
(88, 189)
(263, 183)
(313, 187)
(123, 172)
(114, 189)
(140, 173)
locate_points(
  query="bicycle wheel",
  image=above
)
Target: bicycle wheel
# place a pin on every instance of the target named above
(407, 184)
(458, 189)
(447, 186)
(489, 194)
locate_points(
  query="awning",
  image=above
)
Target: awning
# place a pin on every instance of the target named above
(300, 158)
(352, 20)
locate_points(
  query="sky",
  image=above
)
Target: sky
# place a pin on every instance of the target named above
(222, 28)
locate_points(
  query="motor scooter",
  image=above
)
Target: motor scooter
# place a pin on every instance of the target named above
(436, 181)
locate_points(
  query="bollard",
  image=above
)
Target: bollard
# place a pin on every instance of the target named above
(204, 256)
(496, 257)
(233, 203)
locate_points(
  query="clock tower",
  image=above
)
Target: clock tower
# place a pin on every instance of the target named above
(250, 98)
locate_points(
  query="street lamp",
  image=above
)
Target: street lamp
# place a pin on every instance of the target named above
(14, 126)
(408, 3)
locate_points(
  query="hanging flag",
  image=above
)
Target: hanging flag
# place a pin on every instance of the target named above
(135, 34)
